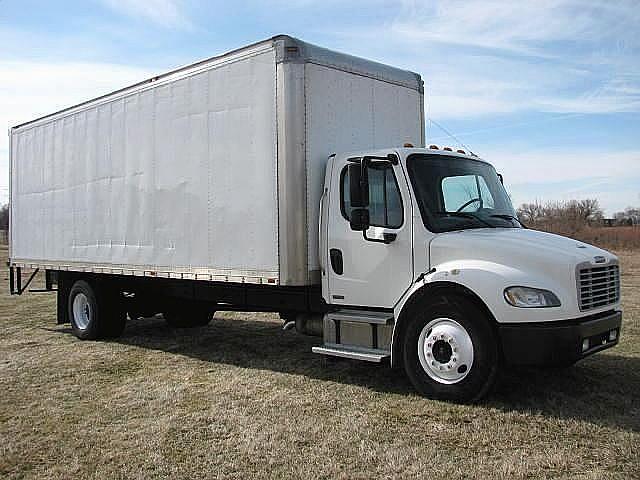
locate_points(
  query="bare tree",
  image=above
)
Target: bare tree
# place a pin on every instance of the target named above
(4, 217)
(567, 217)
(630, 216)
(530, 213)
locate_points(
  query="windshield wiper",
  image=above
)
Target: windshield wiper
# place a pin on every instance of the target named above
(508, 217)
(468, 215)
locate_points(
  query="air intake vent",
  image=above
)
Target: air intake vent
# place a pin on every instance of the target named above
(598, 286)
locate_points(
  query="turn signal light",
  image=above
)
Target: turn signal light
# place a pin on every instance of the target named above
(585, 345)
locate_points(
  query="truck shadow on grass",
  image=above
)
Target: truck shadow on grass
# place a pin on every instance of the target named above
(603, 389)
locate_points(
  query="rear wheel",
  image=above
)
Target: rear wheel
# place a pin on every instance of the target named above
(95, 311)
(187, 316)
(449, 350)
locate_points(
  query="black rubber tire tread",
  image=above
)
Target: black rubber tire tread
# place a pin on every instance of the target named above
(484, 370)
(188, 316)
(109, 318)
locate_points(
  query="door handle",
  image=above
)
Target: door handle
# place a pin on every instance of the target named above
(336, 260)
(380, 235)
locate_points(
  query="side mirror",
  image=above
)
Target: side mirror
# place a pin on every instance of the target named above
(359, 219)
(358, 185)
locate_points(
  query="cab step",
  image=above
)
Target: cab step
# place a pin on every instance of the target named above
(361, 316)
(355, 353)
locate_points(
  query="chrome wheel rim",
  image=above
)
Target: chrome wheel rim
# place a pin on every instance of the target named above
(81, 311)
(445, 350)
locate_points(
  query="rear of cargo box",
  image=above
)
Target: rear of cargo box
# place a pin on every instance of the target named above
(211, 172)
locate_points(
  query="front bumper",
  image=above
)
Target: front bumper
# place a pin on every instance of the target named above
(558, 343)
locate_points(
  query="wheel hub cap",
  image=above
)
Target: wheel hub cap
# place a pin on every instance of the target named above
(81, 311)
(442, 351)
(445, 350)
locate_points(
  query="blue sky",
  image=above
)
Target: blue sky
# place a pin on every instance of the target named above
(548, 91)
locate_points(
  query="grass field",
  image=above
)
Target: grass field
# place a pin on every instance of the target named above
(241, 399)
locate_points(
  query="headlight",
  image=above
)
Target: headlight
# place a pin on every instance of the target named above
(527, 297)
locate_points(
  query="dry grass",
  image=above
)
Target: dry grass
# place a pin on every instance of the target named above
(619, 238)
(242, 399)
(624, 238)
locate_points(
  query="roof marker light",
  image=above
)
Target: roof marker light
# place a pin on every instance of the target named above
(461, 151)
(448, 149)
(433, 147)
(408, 145)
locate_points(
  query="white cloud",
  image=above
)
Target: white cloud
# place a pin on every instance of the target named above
(613, 177)
(521, 27)
(166, 13)
(564, 164)
(31, 89)
(486, 57)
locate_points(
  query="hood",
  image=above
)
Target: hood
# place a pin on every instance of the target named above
(514, 244)
(489, 260)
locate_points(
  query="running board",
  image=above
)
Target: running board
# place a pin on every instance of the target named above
(361, 316)
(355, 353)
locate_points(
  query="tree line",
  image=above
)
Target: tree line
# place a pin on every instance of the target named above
(4, 217)
(573, 215)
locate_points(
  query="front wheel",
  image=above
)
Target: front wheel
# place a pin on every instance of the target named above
(449, 350)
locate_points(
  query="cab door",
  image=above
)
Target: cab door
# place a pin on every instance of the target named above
(371, 268)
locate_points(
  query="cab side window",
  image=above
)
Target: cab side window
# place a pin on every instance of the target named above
(385, 204)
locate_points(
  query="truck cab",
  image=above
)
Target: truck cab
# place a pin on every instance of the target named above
(424, 262)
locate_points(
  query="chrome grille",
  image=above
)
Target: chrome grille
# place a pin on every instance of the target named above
(598, 286)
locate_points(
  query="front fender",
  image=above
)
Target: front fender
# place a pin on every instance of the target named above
(418, 293)
(485, 282)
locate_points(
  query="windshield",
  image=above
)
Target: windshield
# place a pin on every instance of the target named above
(456, 193)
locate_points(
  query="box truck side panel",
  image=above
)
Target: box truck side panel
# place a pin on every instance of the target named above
(180, 177)
(347, 112)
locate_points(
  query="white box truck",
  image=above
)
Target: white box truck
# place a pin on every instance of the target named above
(283, 177)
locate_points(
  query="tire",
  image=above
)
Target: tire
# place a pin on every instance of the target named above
(188, 317)
(449, 350)
(95, 313)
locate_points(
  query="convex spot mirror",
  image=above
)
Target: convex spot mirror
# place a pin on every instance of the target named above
(359, 219)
